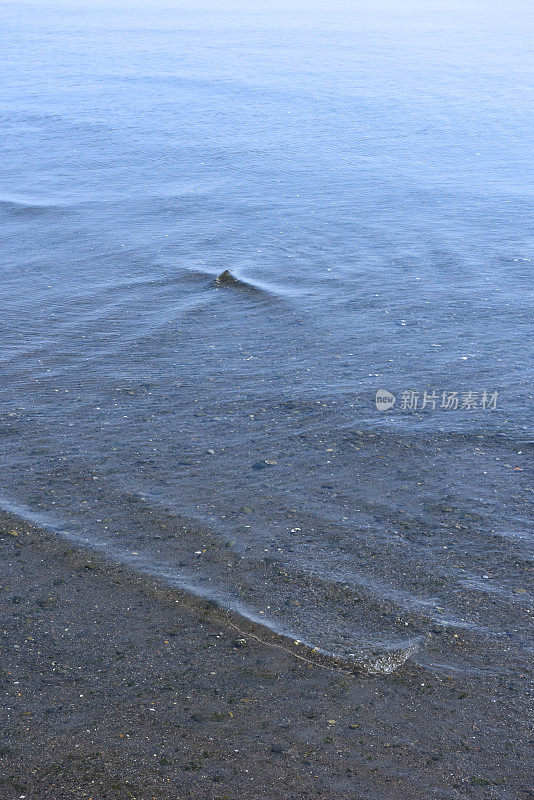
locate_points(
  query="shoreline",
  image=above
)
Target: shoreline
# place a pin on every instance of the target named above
(385, 661)
(174, 702)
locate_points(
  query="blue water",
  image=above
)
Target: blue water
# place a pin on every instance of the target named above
(365, 171)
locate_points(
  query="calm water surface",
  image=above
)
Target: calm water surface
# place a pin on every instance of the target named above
(365, 171)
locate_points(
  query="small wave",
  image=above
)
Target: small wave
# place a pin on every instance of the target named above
(381, 659)
(391, 659)
(227, 279)
(22, 208)
(194, 278)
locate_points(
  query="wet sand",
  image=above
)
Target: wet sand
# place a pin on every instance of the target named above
(116, 687)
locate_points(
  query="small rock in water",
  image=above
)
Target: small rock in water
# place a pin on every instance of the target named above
(263, 464)
(225, 277)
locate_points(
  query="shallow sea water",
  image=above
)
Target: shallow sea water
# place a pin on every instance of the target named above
(366, 175)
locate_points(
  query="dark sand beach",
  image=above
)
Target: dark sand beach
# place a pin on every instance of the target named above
(115, 687)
